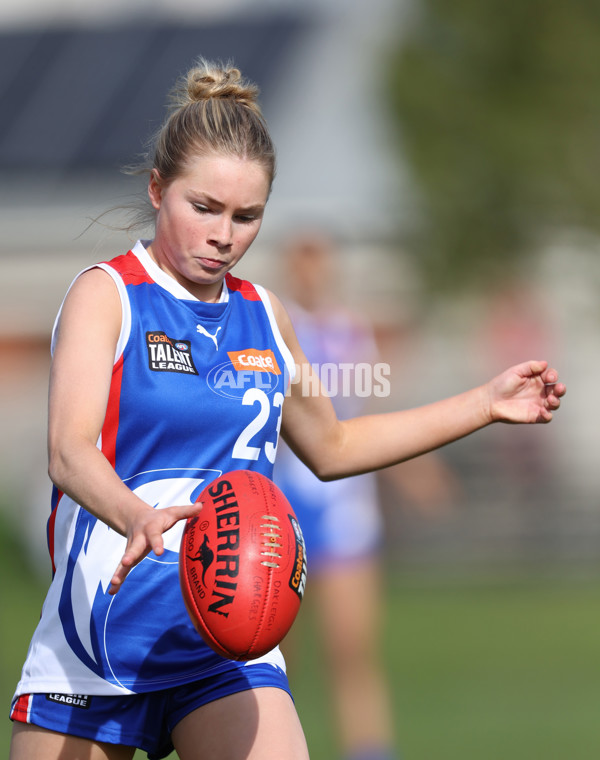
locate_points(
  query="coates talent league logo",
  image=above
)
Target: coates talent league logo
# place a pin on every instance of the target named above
(169, 354)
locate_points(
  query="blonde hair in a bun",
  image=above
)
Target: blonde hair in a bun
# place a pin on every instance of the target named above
(212, 109)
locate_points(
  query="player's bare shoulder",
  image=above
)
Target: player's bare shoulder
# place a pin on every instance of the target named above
(93, 305)
(283, 320)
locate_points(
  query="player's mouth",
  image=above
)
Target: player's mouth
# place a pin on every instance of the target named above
(212, 264)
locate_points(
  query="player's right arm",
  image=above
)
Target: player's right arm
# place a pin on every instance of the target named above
(80, 379)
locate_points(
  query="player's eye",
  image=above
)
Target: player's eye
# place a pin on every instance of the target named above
(252, 215)
(200, 208)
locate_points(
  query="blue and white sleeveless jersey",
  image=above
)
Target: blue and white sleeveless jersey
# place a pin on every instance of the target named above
(197, 390)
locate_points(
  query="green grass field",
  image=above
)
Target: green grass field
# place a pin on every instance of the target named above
(480, 669)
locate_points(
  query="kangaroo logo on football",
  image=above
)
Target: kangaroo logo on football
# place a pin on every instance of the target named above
(204, 556)
(203, 331)
(169, 354)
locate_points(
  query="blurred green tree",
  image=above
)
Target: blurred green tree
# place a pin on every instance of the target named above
(498, 111)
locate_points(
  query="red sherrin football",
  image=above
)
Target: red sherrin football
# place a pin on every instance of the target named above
(242, 565)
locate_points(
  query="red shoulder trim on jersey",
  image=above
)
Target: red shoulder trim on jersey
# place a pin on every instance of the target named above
(243, 287)
(129, 267)
(111, 419)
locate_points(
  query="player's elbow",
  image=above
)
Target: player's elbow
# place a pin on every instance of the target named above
(323, 476)
(328, 477)
(327, 469)
(57, 466)
(64, 460)
(329, 460)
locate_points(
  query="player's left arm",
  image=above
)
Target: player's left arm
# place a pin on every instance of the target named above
(527, 393)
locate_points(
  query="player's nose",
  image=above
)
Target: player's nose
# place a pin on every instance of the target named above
(221, 232)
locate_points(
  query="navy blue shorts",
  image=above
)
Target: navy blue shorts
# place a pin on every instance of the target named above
(144, 720)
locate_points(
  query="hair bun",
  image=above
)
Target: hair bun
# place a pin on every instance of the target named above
(210, 110)
(208, 80)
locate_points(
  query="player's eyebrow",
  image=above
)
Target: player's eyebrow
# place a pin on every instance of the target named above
(257, 208)
(252, 210)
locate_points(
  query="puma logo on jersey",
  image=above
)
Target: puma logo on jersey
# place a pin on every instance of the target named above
(203, 331)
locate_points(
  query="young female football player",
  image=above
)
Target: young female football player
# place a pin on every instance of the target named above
(140, 422)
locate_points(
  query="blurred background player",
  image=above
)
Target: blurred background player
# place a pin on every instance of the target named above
(342, 521)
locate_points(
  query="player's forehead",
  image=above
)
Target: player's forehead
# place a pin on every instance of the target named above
(224, 177)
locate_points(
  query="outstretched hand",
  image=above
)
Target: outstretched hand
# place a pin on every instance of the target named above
(526, 393)
(145, 534)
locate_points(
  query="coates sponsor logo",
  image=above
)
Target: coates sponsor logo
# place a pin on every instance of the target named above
(245, 369)
(299, 569)
(254, 361)
(169, 354)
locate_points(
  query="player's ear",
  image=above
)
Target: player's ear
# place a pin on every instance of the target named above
(155, 189)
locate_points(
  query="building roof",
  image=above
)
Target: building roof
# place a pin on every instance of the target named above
(88, 98)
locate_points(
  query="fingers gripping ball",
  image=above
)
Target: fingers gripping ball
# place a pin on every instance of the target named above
(242, 565)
